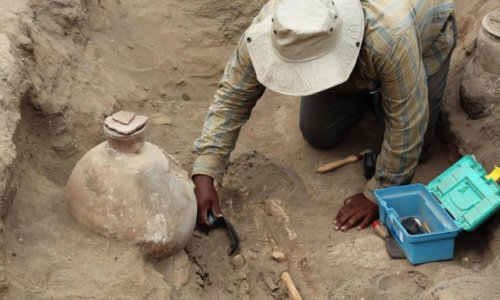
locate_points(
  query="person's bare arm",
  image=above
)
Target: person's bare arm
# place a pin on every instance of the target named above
(404, 96)
(237, 94)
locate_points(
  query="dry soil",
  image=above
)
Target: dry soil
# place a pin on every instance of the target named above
(72, 62)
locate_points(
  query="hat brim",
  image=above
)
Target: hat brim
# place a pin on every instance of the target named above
(310, 77)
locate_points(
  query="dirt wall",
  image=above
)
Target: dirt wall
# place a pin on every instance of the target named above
(12, 90)
(65, 64)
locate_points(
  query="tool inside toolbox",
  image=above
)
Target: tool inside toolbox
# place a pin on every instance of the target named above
(414, 225)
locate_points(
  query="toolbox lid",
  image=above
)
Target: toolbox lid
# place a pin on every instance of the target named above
(466, 194)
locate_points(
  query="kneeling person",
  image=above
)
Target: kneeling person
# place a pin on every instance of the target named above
(335, 54)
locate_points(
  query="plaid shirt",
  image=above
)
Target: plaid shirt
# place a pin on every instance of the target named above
(405, 42)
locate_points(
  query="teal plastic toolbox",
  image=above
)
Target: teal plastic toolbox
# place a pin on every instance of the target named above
(461, 198)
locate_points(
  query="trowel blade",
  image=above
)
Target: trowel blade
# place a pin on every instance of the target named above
(231, 230)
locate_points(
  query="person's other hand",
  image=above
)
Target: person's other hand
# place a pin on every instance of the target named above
(206, 198)
(357, 209)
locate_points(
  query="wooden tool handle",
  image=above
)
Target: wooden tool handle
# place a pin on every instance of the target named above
(339, 163)
(380, 229)
(290, 286)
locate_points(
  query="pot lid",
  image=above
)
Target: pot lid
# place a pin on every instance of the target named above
(125, 122)
(491, 23)
(466, 193)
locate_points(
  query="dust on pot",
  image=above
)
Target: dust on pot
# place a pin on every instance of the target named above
(480, 85)
(127, 189)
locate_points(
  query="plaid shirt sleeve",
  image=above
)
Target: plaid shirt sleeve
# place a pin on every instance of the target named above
(237, 94)
(404, 97)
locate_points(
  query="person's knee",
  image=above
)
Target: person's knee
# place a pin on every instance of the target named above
(320, 137)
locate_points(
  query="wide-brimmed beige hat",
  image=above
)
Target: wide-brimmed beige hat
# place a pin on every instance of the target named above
(306, 46)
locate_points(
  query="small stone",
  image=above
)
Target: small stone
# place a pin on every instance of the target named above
(123, 117)
(242, 274)
(465, 258)
(64, 148)
(163, 95)
(131, 46)
(244, 192)
(237, 261)
(180, 81)
(186, 97)
(162, 120)
(270, 284)
(279, 256)
(25, 43)
(175, 66)
(244, 289)
(146, 88)
(200, 281)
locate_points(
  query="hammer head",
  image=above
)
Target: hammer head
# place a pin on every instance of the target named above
(366, 151)
(369, 164)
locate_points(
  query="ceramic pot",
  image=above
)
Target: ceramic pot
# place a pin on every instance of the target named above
(480, 85)
(128, 189)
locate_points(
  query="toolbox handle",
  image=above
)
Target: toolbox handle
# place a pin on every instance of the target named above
(397, 229)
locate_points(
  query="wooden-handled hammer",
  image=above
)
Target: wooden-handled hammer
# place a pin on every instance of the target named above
(339, 163)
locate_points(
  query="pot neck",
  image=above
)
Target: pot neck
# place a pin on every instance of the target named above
(128, 144)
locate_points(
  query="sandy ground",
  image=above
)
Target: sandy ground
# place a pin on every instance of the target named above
(86, 59)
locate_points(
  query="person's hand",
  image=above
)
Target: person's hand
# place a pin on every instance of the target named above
(206, 197)
(357, 209)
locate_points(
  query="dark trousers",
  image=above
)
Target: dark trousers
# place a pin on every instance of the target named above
(325, 117)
